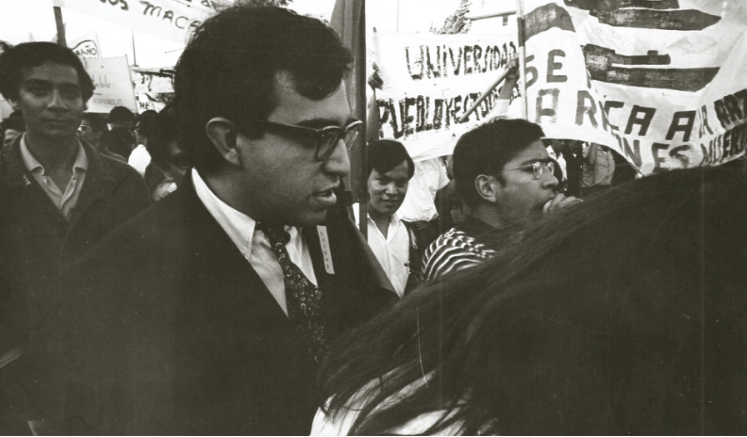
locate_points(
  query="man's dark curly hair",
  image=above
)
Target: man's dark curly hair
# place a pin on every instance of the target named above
(14, 60)
(486, 149)
(229, 69)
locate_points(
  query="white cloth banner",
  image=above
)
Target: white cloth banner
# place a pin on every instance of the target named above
(661, 82)
(169, 19)
(429, 83)
(111, 77)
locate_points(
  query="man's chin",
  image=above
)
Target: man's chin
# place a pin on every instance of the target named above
(60, 133)
(311, 218)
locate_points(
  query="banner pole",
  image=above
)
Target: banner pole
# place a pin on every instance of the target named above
(61, 40)
(484, 96)
(361, 102)
(134, 53)
(522, 57)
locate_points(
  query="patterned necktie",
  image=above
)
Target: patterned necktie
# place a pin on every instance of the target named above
(303, 298)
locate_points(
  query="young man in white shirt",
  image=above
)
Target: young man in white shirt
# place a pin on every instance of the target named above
(392, 240)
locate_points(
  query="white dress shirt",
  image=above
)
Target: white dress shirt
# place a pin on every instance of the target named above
(392, 251)
(66, 200)
(254, 245)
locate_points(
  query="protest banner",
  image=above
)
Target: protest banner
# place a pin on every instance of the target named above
(430, 81)
(169, 19)
(86, 46)
(660, 82)
(111, 77)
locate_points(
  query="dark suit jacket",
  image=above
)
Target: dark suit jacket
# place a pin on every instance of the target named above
(37, 243)
(37, 240)
(167, 329)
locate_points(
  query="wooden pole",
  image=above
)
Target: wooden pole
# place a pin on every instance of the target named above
(349, 20)
(61, 40)
(134, 53)
(360, 103)
(522, 57)
(483, 96)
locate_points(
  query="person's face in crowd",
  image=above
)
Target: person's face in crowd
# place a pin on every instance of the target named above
(87, 133)
(9, 135)
(521, 193)
(51, 100)
(387, 190)
(141, 139)
(281, 180)
(179, 162)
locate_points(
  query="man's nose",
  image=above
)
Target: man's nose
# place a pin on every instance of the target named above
(57, 100)
(548, 179)
(338, 162)
(391, 188)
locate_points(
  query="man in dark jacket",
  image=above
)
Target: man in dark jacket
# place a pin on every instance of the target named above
(209, 313)
(58, 195)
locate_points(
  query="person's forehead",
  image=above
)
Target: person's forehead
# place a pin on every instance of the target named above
(534, 152)
(51, 72)
(398, 171)
(293, 108)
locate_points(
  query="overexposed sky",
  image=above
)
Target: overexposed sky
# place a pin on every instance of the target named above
(26, 20)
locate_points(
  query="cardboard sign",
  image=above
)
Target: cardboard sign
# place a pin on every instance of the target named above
(111, 77)
(86, 46)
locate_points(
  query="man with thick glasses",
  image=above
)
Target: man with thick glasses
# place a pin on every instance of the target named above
(505, 176)
(211, 312)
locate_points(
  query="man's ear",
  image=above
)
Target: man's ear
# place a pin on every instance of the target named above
(222, 132)
(487, 187)
(14, 104)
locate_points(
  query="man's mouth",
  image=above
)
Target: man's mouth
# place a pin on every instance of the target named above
(326, 197)
(60, 123)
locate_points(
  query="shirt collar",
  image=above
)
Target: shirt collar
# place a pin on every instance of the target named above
(393, 221)
(33, 164)
(239, 226)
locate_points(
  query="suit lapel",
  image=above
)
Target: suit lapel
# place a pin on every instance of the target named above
(213, 255)
(99, 184)
(358, 285)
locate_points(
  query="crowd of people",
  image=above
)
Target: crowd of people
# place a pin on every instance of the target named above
(196, 271)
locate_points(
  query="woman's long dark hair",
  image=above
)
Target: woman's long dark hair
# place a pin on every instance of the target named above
(626, 314)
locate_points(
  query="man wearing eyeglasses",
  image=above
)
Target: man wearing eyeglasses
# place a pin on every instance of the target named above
(211, 312)
(505, 176)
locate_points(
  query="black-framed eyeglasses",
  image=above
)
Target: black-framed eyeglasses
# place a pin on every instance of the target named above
(325, 139)
(537, 168)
